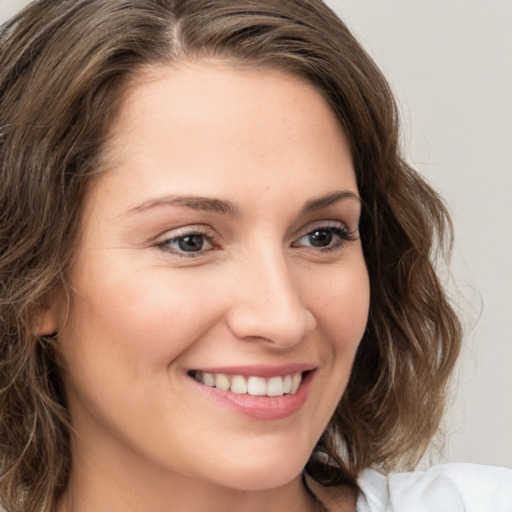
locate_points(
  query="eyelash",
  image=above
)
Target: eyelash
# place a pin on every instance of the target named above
(165, 244)
(339, 230)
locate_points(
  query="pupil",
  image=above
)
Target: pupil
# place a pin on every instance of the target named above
(320, 238)
(191, 243)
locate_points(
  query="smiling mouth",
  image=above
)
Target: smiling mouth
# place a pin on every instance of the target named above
(251, 385)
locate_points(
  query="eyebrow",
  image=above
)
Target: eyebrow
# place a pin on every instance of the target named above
(225, 207)
(206, 204)
(328, 200)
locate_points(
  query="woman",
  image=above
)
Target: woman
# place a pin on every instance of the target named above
(218, 288)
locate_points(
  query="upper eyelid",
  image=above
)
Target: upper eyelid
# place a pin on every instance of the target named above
(321, 224)
(171, 235)
(192, 229)
(212, 235)
(162, 244)
(323, 227)
(207, 230)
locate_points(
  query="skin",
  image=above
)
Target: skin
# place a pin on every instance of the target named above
(144, 312)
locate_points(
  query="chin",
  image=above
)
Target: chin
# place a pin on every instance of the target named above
(259, 475)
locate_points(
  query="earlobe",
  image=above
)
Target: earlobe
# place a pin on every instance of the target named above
(46, 318)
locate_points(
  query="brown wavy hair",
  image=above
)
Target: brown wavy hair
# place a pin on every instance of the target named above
(63, 65)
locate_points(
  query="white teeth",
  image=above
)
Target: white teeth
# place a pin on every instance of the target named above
(256, 386)
(287, 384)
(275, 386)
(221, 382)
(207, 378)
(238, 385)
(296, 382)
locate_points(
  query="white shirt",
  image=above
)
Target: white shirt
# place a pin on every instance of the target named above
(455, 487)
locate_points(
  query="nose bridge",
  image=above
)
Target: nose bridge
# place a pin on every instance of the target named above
(267, 302)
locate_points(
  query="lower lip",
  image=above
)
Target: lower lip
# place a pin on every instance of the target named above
(266, 408)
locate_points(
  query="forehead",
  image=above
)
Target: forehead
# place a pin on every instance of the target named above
(225, 126)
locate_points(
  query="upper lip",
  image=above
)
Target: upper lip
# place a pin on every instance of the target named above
(265, 371)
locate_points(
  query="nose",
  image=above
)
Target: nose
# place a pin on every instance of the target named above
(266, 302)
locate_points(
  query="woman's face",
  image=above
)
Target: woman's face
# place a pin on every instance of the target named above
(220, 245)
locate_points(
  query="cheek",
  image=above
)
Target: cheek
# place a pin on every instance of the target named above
(341, 307)
(132, 322)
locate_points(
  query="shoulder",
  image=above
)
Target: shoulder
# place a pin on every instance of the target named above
(453, 487)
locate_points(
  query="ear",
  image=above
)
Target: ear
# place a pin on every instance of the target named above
(47, 317)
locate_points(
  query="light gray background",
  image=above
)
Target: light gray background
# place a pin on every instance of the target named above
(450, 64)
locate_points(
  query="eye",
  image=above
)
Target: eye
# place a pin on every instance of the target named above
(325, 237)
(191, 243)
